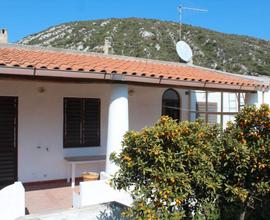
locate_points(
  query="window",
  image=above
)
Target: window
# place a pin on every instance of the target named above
(81, 122)
(171, 104)
(212, 107)
(215, 107)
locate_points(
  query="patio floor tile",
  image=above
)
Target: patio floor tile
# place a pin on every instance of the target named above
(40, 199)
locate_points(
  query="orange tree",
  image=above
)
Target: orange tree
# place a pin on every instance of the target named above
(169, 169)
(245, 159)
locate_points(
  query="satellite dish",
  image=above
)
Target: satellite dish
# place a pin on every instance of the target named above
(184, 51)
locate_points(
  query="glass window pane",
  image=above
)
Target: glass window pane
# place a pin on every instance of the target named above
(170, 94)
(171, 104)
(242, 100)
(214, 119)
(214, 101)
(230, 102)
(201, 116)
(194, 116)
(226, 119)
(197, 101)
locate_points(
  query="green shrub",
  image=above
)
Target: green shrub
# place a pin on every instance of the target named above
(169, 169)
(191, 170)
(245, 160)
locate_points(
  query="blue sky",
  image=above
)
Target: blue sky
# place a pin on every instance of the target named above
(245, 17)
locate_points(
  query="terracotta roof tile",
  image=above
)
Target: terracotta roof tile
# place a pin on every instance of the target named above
(49, 59)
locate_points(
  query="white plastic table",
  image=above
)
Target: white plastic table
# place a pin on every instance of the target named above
(73, 161)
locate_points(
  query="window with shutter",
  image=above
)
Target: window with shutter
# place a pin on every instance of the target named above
(81, 122)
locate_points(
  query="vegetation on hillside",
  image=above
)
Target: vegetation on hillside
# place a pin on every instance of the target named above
(156, 39)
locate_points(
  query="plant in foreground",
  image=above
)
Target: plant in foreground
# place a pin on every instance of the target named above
(245, 159)
(169, 169)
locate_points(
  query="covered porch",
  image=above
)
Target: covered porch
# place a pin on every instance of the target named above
(47, 130)
(39, 132)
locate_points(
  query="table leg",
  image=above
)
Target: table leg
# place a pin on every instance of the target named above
(73, 175)
(68, 173)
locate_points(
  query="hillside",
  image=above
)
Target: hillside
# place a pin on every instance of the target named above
(156, 40)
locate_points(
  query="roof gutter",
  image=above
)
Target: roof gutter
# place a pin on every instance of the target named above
(115, 77)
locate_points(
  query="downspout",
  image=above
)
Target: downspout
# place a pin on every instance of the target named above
(34, 71)
(204, 85)
(240, 87)
(160, 78)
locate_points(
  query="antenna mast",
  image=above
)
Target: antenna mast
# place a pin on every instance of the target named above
(181, 9)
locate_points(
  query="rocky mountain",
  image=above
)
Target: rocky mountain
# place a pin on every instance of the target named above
(156, 39)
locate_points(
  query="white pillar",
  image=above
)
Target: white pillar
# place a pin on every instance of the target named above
(267, 97)
(117, 123)
(256, 98)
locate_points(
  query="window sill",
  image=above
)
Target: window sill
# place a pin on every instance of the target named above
(76, 147)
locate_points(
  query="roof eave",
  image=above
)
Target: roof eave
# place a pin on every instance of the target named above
(126, 78)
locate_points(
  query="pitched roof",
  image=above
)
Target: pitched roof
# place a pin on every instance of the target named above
(70, 61)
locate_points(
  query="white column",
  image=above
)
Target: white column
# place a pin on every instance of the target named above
(267, 97)
(256, 98)
(117, 123)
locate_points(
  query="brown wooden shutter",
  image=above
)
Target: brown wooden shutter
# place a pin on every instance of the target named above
(8, 140)
(72, 122)
(91, 122)
(81, 122)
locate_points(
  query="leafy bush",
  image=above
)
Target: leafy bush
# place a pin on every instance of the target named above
(245, 160)
(191, 170)
(169, 169)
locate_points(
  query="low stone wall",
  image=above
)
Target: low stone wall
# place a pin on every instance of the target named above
(98, 192)
(12, 201)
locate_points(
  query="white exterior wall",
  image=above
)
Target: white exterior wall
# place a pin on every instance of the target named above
(258, 98)
(40, 127)
(145, 106)
(99, 192)
(266, 97)
(40, 123)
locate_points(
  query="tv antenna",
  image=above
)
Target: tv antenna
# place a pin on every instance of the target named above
(181, 9)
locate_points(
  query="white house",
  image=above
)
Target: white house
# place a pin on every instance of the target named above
(58, 103)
